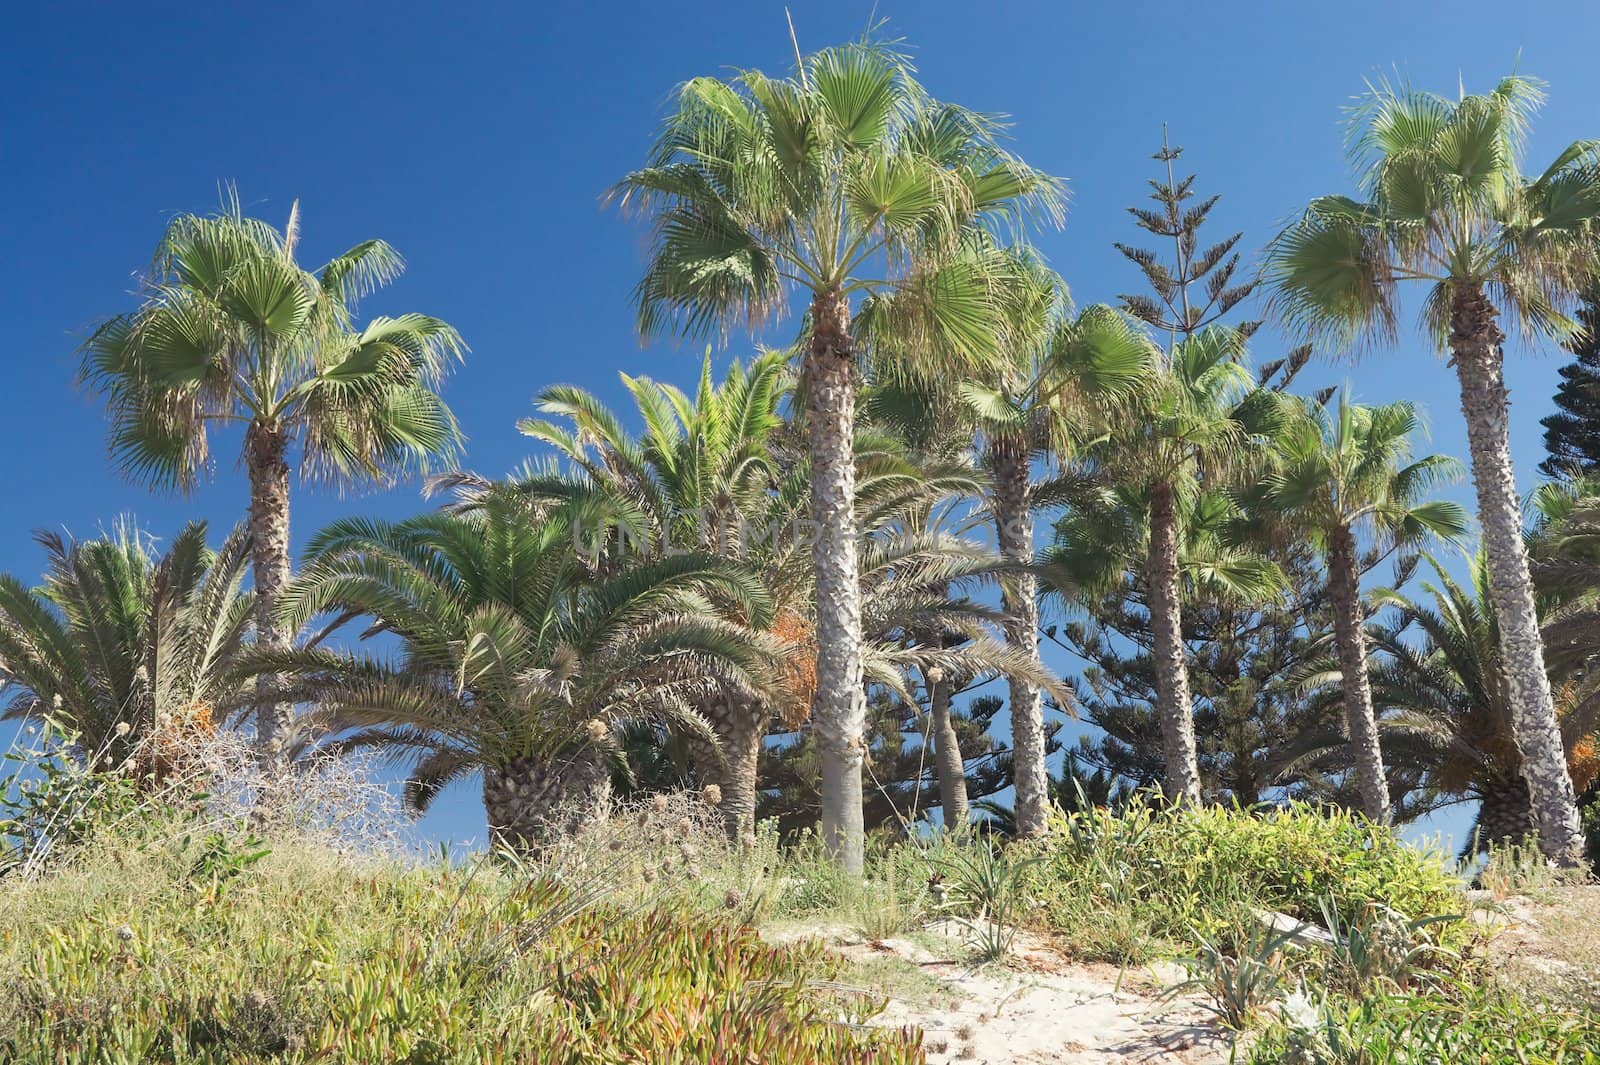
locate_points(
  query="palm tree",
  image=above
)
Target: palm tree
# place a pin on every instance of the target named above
(128, 652)
(1447, 717)
(1103, 546)
(1046, 404)
(1342, 471)
(514, 660)
(1444, 202)
(1195, 417)
(233, 331)
(699, 479)
(843, 182)
(714, 473)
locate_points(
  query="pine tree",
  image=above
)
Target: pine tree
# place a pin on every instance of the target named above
(1572, 434)
(1243, 664)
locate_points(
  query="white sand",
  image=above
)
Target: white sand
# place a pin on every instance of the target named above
(1040, 1007)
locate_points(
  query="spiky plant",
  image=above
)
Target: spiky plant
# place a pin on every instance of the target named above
(129, 651)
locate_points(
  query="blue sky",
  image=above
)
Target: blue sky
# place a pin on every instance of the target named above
(478, 140)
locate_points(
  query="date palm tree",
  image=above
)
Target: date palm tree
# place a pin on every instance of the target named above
(233, 331)
(846, 187)
(515, 660)
(1443, 201)
(1341, 472)
(123, 649)
(699, 478)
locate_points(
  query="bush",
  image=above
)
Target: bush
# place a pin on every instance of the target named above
(1132, 885)
(1458, 1023)
(207, 949)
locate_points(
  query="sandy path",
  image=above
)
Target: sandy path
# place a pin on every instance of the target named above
(1041, 1008)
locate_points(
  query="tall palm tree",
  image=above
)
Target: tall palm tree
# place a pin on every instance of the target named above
(514, 660)
(1196, 416)
(1444, 202)
(232, 330)
(126, 650)
(1341, 472)
(846, 184)
(1046, 404)
(1447, 719)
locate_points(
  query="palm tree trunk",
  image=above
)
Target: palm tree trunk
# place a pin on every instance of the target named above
(943, 743)
(839, 709)
(740, 727)
(531, 804)
(1475, 348)
(1362, 723)
(947, 760)
(1174, 703)
(265, 445)
(1504, 815)
(1013, 517)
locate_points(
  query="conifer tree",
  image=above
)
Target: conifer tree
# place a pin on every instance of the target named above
(1572, 433)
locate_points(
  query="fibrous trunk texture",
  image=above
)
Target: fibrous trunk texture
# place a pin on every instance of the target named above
(265, 446)
(1013, 516)
(838, 715)
(740, 727)
(1475, 341)
(531, 804)
(947, 760)
(1360, 720)
(1174, 703)
(1505, 815)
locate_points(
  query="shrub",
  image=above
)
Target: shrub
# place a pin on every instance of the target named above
(208, 950)
(1457, 1023)
(1145, 881)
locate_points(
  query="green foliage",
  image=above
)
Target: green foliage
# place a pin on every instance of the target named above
(1457, 1023)
(52, 803)
(1237, 983)
(232, 329)
(1132, 885)
(134, 955)
(118, 643)
(986, 884)
(1572, 433)
(1444, 202)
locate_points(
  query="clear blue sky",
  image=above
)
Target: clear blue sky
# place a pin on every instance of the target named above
(477, 139)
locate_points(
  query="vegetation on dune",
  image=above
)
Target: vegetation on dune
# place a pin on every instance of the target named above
(714, 658)
(164, 941)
